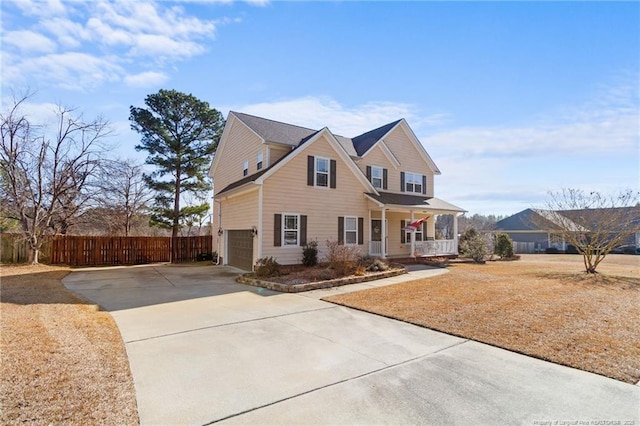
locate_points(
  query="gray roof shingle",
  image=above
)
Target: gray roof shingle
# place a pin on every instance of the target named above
(289, 134)
(365, 141)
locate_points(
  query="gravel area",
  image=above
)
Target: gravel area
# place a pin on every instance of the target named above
(542, 305)
(63, 361)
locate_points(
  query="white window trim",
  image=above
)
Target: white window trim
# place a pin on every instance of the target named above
(282, 227)
(328, 172)
(407, 234)
(245, 168)
(345, 230)
(259, 161)
(406, 182)
(381, 169)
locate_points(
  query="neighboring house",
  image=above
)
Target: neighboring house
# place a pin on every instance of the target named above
(278, 186)
(536, 230)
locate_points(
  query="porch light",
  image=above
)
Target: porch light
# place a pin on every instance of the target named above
(220, 232)
(254, 231)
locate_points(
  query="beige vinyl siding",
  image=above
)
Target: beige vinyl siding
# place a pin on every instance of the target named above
(410, 159)
(240, 146)
(376, 157)
(277, 152)
(286, 191)
(239, 212)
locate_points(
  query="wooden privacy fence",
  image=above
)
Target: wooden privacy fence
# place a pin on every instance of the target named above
(14, 248)
(105, 251)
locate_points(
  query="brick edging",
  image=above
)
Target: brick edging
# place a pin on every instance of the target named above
(297, 288)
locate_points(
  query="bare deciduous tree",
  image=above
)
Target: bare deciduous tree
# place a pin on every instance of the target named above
(45, 175)
(123, 194)
(592, 222)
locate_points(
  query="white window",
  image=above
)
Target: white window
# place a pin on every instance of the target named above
(419, 234)
(245, 168)
(322, 171)
(376, 177)
(290, 229)
(350, 230)
(259, 161)
(413, 182)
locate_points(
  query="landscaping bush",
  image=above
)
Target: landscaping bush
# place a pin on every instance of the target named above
(342, 259)
(267, 267)
(475, 247)
(310, 254)
(466, 236)
(503, 246)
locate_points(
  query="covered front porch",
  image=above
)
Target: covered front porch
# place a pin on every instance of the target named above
(412, 226)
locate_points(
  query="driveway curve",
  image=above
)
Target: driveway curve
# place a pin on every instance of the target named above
(204, 349)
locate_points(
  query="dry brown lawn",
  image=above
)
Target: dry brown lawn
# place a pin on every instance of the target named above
(62, 361)
(542, 305)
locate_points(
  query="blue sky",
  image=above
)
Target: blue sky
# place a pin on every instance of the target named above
(510, 99)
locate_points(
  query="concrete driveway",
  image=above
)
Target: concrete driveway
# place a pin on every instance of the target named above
(204, 349)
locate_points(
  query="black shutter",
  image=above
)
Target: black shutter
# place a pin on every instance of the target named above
(384, 178)
(303, 230)
(424, 184)
(311, 165)
(340, 230)
(369, 173)
(402, 181)
(424, 231)
(360, 230)
(403, 237)
(277, 230)
(332, 173)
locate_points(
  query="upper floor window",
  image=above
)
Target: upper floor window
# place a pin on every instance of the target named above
(413, 182)
(376, 177)
(259, 161)
(245, 168)
(322, 171)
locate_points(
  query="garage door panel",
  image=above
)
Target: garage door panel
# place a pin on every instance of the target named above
(240, 249)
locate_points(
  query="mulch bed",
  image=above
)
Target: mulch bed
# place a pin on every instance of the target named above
(542, 306)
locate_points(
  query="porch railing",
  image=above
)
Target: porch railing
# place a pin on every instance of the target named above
(375, 248)
(435, 247)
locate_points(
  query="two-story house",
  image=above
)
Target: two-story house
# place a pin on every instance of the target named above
(278, 186)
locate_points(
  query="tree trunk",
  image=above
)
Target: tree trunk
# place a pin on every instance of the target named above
(35, 250)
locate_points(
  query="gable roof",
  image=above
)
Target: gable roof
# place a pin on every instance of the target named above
(333, 141)
(578, 220)
(274, 131)
(260, 176)
(366, 141)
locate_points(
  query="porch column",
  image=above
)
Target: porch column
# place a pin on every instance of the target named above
(413, 239)
(455, 233)
(383, 242)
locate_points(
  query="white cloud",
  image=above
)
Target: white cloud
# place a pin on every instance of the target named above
(318, 112)
(29, 41)
(609, 125)
(41, 8)
(146, 79)
(72, 70)
(102, 40)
